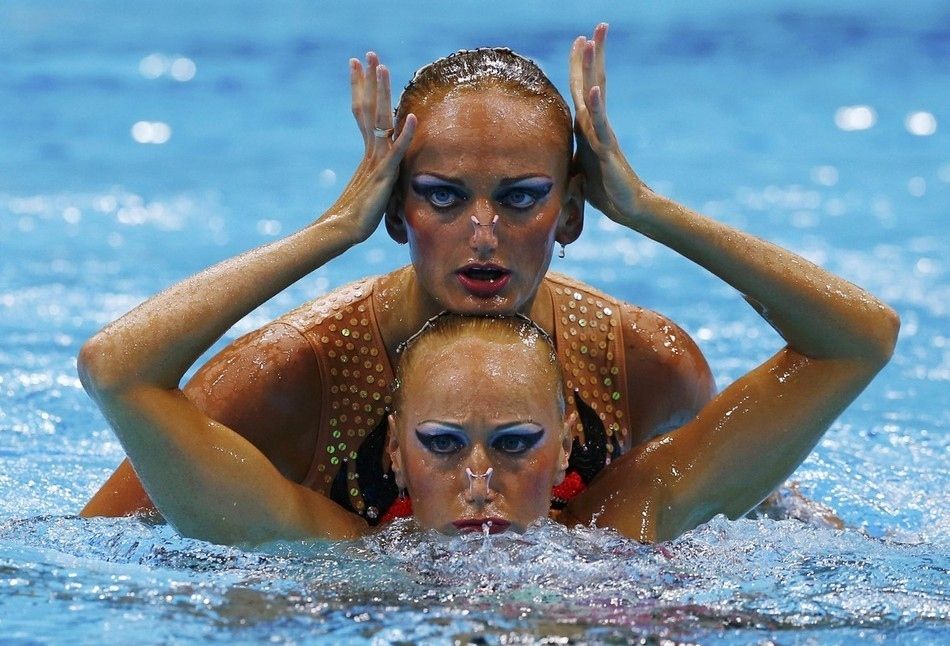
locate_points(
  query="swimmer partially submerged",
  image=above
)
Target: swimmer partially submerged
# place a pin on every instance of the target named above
(478, 439)
(481, 245)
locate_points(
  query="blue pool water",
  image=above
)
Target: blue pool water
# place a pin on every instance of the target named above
(823, 127)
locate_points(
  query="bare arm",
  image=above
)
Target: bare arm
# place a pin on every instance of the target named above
(261, 386)
(669, 380)
(207, 480)
(754, 434)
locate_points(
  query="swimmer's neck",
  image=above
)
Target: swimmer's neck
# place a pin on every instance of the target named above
(402, 306)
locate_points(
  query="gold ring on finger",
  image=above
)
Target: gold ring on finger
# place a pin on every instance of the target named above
(383, 132)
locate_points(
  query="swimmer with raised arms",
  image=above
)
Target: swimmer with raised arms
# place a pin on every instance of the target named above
(482, 215)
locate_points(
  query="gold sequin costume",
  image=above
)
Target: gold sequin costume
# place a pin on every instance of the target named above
(356, 375)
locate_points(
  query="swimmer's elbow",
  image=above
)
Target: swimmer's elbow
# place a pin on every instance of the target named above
(886, 330)
(87, 364)
(98, 369)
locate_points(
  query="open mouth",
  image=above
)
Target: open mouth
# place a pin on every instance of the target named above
(483, 280)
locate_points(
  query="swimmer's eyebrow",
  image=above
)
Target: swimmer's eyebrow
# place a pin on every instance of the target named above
(518, 426)
(424, 179)
(528, 181)
(441, 424)
(452, 426)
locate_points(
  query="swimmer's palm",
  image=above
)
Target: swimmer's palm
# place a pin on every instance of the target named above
(364, 199)
(611, 185)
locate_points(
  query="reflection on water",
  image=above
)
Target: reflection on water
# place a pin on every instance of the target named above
(136, 151)
(402, 584)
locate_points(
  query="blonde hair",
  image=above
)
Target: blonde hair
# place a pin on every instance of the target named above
(445, 329)
(483, 68)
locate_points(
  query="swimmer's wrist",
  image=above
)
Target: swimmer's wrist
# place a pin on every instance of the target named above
(643, 205)
(344, 228)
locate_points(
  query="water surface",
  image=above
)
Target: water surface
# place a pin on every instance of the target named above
(733, 110)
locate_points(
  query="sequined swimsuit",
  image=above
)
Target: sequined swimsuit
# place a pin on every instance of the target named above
(356, 376)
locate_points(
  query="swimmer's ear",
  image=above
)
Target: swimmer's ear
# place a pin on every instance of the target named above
(567, 442)
(395, 222)
(571, 222)
(392, 448)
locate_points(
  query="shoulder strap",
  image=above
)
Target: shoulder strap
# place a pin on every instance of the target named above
(589, 343)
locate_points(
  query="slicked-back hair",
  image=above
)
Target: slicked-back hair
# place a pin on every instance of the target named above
(482, 68)
(444, 330)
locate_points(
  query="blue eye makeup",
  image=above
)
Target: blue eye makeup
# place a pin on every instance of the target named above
(437, 192)
(441, 441)
(516, 442)
(512, 441)
(524, 194)
(518, 195)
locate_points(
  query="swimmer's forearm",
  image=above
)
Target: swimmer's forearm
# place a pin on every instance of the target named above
(212, 484)
(819, 314)
(790, 292)
(157, 341)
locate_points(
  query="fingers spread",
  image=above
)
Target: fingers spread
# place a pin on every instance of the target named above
(599, 114)
(401, 145)
(369, 92)
(576, 72)
(588, 86)
(588, 65)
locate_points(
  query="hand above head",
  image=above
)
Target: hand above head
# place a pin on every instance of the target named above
(611, 184)
(365, 196)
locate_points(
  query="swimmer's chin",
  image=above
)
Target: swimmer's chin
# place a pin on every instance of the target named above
(498, 306)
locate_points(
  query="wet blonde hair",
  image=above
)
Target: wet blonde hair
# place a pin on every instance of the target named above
(482, 68)
(445, 329)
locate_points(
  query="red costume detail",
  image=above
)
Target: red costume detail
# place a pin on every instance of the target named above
(571, 486)
(401, 508)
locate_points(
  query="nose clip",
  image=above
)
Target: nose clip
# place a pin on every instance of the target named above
(473, 477)
(476, 224)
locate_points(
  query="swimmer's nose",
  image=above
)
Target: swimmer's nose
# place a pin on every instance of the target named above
(479, 492)
(484, 223)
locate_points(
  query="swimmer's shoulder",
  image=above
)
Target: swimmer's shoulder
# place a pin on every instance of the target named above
(262, 387)
(668, 377)
(330, 306)
(648, 335)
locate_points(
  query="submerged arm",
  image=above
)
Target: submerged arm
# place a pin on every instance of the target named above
(754, 434)
(205, 479)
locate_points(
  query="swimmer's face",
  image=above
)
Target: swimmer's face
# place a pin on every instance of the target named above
(485, 154)
(479, 406)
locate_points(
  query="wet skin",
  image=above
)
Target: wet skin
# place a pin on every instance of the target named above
(723, 460)
(484, 193)
(478, 155)
(460, 413)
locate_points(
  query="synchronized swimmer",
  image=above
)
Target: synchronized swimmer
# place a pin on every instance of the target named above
(522, 393)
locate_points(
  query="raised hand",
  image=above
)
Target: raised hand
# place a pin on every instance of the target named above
(365, 196)
(611, 184)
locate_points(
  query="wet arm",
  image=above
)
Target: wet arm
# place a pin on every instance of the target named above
(753, 435)
(668, 378)
(206, 479)
(787, 290)
(262, 386)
